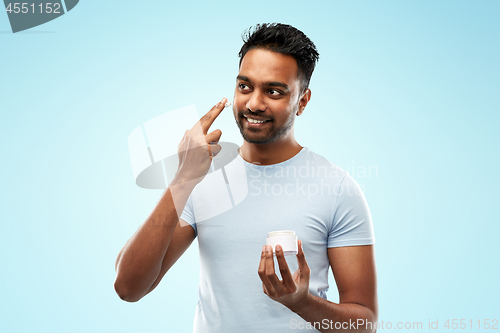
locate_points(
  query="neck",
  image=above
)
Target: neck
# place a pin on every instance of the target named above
(270, 153)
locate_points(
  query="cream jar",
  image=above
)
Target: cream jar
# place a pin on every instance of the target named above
(286, 238)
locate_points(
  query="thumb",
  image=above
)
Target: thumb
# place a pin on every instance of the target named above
(214, 149)
(213, 136)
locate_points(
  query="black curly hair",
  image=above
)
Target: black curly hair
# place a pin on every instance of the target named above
(285, 39)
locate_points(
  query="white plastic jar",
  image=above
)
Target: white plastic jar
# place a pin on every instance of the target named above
(286, 238)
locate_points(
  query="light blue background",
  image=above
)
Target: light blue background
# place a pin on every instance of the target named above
(409, 88)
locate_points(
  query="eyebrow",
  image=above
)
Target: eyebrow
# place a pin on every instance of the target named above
(269, 83)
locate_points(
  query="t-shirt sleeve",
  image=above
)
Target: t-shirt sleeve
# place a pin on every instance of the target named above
(352, 222)
(188, 215)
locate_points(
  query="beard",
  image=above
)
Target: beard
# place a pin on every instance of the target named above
(270, 134)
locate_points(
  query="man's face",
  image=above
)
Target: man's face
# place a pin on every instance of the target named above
(266, 98)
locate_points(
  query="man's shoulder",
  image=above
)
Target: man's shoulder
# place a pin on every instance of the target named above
(319, 161)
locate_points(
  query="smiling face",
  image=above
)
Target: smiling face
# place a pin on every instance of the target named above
(266, 98)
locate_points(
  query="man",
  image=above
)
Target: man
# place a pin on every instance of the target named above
(290, 187)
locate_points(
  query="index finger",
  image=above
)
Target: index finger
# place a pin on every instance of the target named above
(262, 273)
(208, 119)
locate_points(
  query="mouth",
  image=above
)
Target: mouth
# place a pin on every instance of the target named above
(256, 122)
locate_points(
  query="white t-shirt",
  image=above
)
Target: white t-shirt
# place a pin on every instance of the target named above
(234, 208)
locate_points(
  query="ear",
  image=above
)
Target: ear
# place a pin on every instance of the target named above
(304, 99)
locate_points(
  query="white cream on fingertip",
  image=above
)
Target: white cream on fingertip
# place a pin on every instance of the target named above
(227, 104)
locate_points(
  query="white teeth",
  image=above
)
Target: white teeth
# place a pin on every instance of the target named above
(255, 121)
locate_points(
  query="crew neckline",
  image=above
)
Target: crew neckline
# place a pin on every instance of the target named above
(288, 161)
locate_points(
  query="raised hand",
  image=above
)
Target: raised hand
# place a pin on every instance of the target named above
(198, 147)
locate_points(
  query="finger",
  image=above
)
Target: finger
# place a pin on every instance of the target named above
(296, 276)
(212, 139)
(214, 149)
(205, 116)
(303, 266)
(286, 275)
(213, 136)
(264, 289)
(262, 274)
(208, 119)
(271, 274)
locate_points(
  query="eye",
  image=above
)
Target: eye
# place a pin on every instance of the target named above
(243, 86)
(275, 92)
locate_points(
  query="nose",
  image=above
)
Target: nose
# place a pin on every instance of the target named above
(256, 102)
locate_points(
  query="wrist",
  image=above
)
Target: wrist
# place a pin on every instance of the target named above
(181, 189)
(183, 183)
(303, 304)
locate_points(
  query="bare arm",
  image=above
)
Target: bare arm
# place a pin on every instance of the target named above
(161, 239)
(154, 248)
(354, 271)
